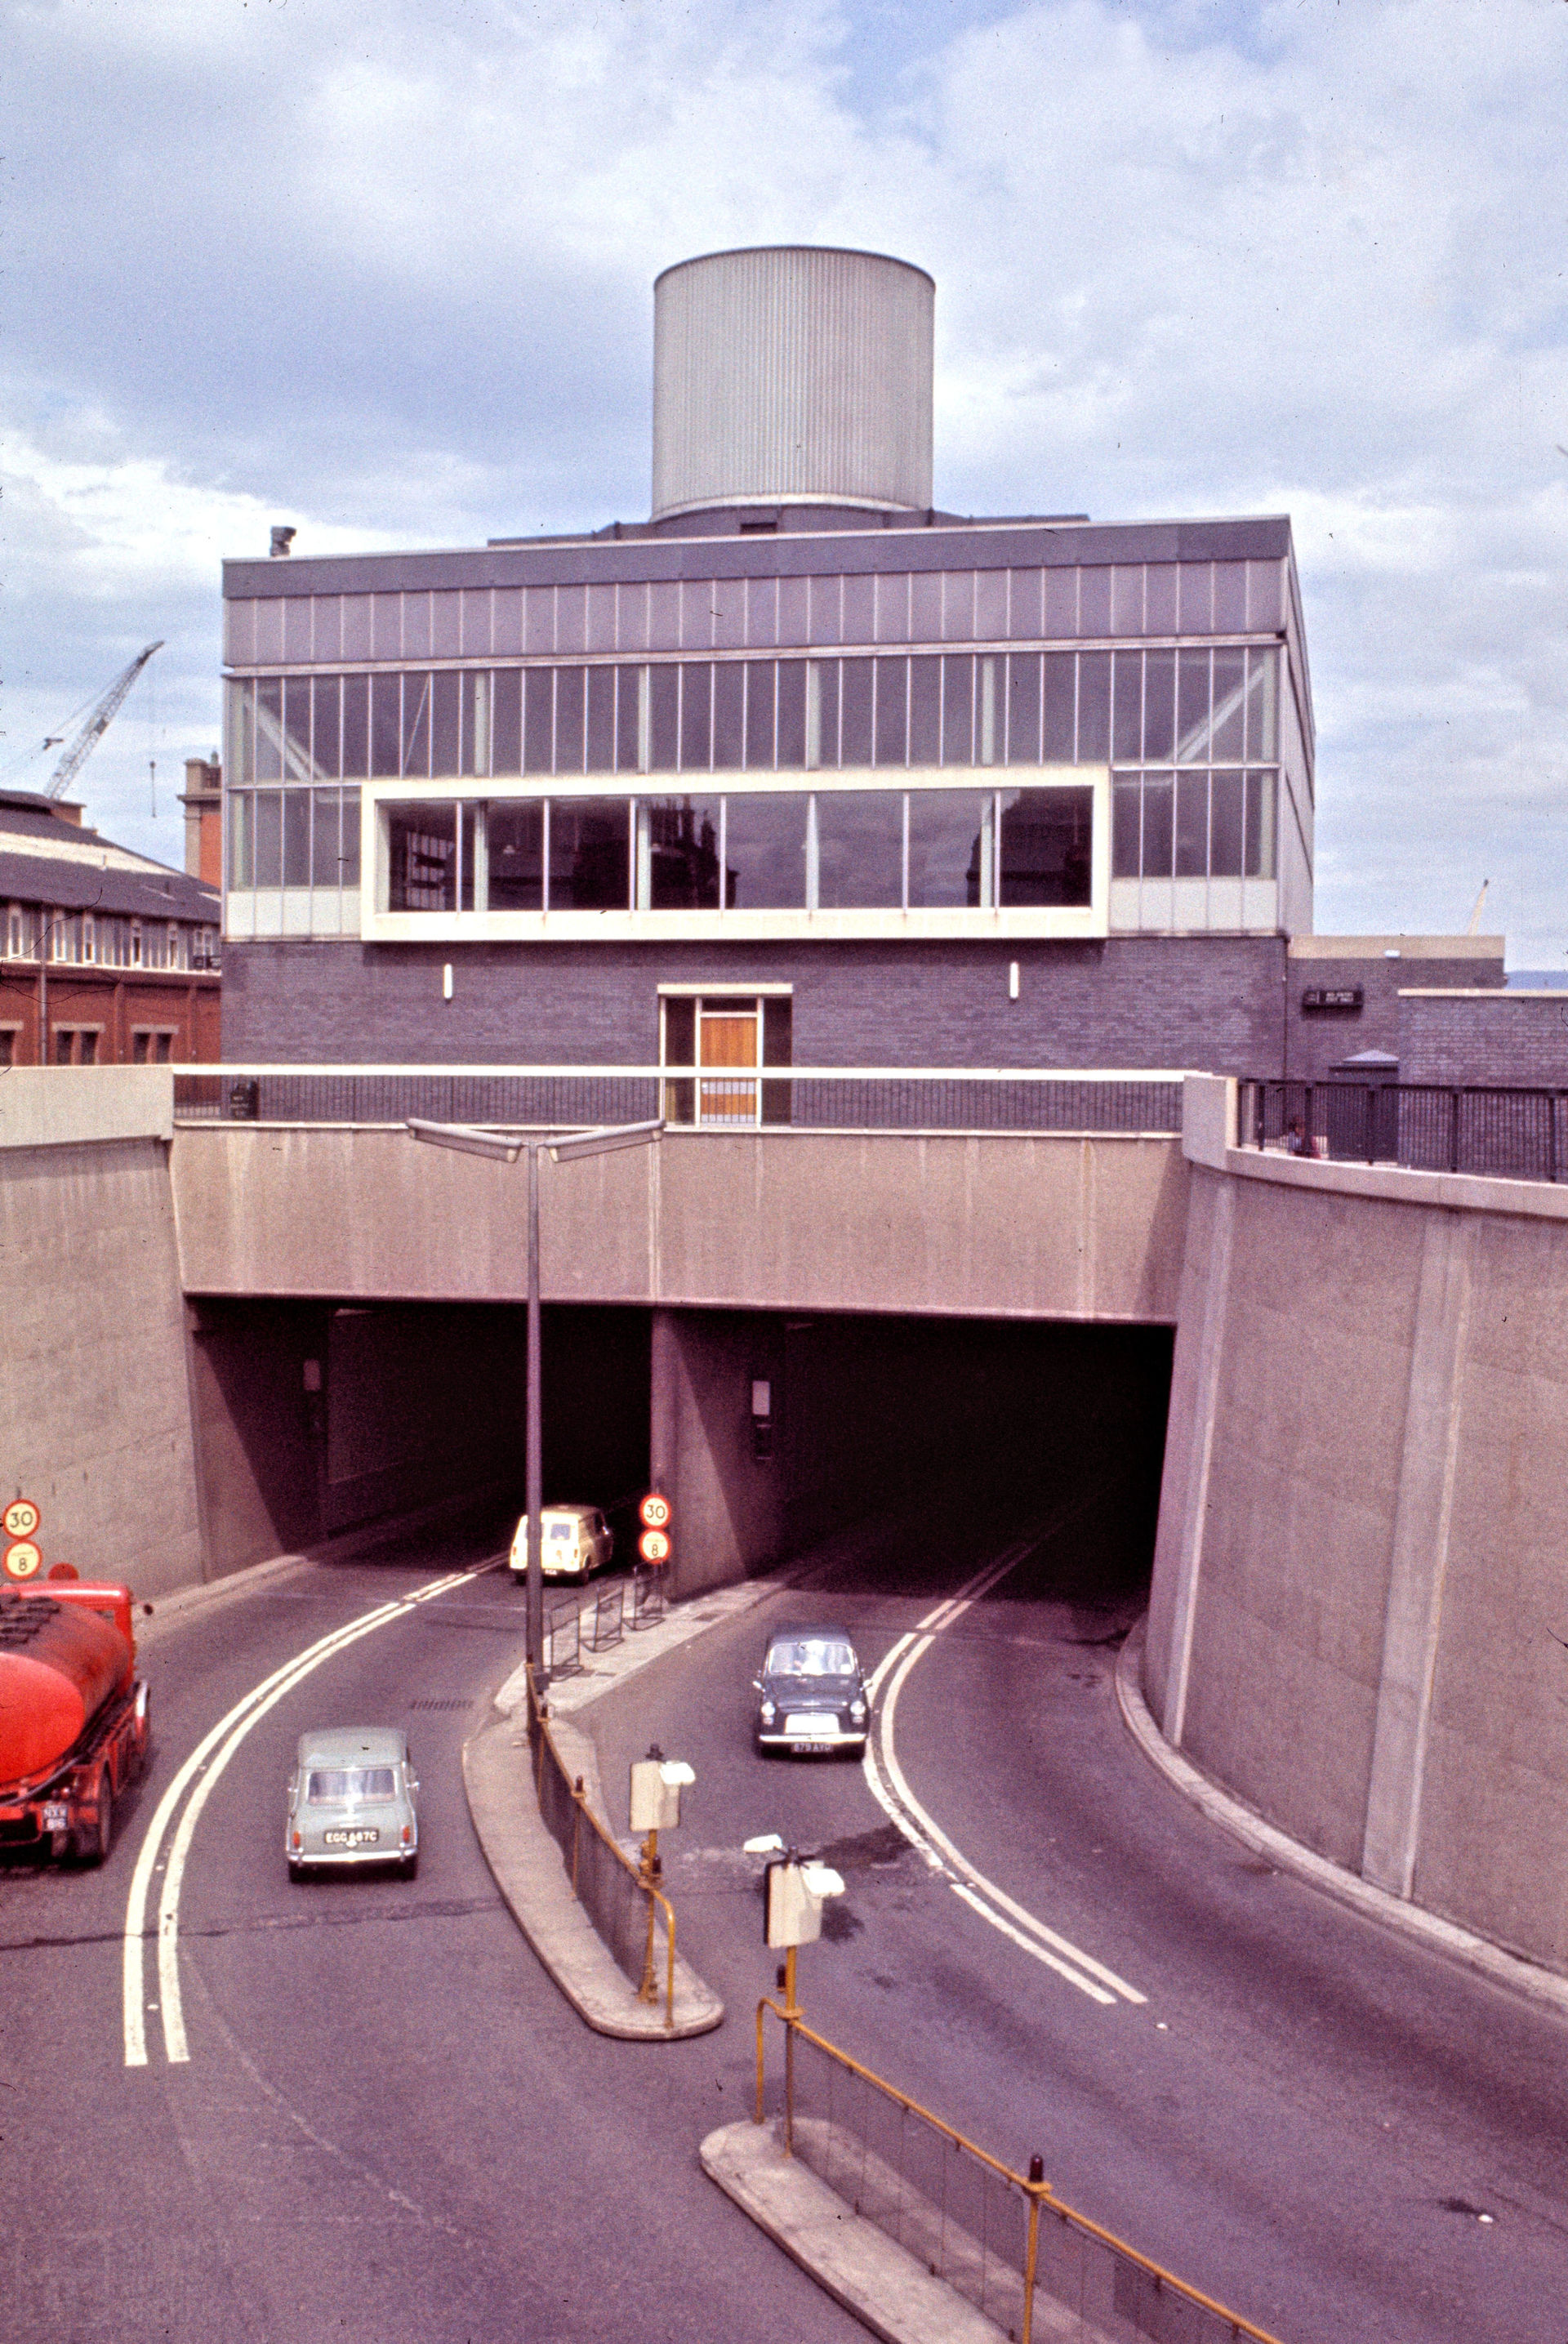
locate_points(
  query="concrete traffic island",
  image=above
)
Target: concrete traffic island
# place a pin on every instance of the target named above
(530, 1873)
(854, 2262)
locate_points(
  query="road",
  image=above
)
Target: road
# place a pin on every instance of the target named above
(391, 2129)
(1307, 2117)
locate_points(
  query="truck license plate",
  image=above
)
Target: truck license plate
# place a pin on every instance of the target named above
(56, 1818)
(364, 1837)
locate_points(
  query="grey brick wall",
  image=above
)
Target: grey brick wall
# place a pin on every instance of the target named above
(1320, 1039)
(1510, 1039)
(1213, 1002)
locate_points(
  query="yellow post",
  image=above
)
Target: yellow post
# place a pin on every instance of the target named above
(1038, 2187)
(791, 2012)
(648, 1991)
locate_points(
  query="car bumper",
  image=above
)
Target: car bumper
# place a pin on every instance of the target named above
(323, 1859)
(840, 1737)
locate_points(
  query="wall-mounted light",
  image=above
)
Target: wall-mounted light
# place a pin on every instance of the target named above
(447, 982)
(1012, 980)
(762, 1418)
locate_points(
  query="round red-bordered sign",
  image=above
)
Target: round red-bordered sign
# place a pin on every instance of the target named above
(653, 1547)
(22, 1559)
(655, 1510)
(21, 1517)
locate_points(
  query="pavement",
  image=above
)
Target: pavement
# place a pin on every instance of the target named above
(854, 2262)
(1462, 1946)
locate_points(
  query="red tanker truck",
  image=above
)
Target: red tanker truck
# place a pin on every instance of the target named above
(73, 1716)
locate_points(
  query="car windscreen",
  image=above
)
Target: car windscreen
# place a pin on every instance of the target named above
(340, 1785)
(810, 1656)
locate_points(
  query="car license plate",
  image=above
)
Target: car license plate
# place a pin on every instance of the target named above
(56, 1818)
(364, 1835)
(813, 1729)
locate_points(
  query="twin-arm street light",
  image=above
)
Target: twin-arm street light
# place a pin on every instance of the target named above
(470, 1140)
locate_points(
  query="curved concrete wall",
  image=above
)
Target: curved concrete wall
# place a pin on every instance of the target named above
(1360, 1593)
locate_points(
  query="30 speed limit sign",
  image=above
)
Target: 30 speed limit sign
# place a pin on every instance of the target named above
(655, 1512)
(22, 1518)
(653, 1547)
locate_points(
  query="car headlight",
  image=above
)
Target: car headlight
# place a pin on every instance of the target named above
(858, 1712)
(767, 1712)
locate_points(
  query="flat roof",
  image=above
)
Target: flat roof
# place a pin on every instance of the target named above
(640, 554)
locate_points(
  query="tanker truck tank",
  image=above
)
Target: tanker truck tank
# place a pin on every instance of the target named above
(73, 1716)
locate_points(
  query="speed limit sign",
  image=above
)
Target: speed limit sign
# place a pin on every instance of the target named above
(653, 1547)
(655, 1510)
(22, 1559)
(22, 1518)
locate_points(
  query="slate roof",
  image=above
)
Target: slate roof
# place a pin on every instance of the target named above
(46, 858)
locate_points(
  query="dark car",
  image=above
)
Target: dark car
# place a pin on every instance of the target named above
(811, 1694)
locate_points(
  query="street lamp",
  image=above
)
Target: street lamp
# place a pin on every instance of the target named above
(565, 1148)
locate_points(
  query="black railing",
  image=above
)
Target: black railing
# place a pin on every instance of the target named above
(1509, 1134)
(803, 1098)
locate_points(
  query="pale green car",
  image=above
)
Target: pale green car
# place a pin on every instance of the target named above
(352, 1800)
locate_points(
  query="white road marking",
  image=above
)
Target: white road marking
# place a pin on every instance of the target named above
(229, 1733)
(889, 1786)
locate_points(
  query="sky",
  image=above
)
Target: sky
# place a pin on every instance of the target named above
(382, 270)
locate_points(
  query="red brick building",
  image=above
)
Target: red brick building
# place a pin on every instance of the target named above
(106, 958)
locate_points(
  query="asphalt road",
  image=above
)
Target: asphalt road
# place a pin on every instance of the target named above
(1307, 2118)
(390, 2128)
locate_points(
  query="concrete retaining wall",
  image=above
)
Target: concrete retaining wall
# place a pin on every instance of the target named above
(1004, 1225)
(1360, 1590)
(94, 1403)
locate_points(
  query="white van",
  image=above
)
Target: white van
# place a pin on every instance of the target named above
(574, 1540)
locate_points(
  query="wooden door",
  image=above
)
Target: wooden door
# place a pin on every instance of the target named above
(728, 1037)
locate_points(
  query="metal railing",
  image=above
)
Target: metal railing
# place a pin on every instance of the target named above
(814, 1098)
(1003, 2240)
(629, 1914)
(1509, 1134)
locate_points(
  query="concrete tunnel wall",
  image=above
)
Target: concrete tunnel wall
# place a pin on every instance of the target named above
(1360, 1607)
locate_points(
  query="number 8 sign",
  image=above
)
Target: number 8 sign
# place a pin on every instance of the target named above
(653, 1547)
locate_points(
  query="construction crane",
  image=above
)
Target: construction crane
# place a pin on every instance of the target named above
(96, 725)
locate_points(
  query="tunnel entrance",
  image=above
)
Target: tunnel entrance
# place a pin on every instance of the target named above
(770, 1431)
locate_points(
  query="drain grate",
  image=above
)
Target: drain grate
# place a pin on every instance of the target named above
(461, 1701)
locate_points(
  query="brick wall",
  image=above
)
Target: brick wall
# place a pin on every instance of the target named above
(1207, 1002)
(1320, 1038)
(1510, 1039)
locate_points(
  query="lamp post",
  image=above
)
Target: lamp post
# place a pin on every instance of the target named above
(473, 1139)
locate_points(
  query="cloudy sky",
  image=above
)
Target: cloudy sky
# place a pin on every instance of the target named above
(382, 268)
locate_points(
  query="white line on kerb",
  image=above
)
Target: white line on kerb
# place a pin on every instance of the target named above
(886, 1782)
(229, 1733)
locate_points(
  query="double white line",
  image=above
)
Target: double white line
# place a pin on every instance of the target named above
(203, 1767)
(891, 1793)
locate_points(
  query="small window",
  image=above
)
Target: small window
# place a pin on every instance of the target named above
(9, 1044)
(151, 1045)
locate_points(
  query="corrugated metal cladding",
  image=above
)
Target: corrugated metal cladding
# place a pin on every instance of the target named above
(791, 374)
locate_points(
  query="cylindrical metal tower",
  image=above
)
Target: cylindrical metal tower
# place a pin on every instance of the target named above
(791, 374)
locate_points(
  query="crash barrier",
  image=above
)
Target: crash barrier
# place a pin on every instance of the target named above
(647, 1594)
(631, 1916)
(607, 1624)
(1004, 2240)
(1507, 1135)
(564, 1640)
(815, 1098)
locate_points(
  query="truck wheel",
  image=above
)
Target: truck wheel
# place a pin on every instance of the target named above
(93, 1840)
